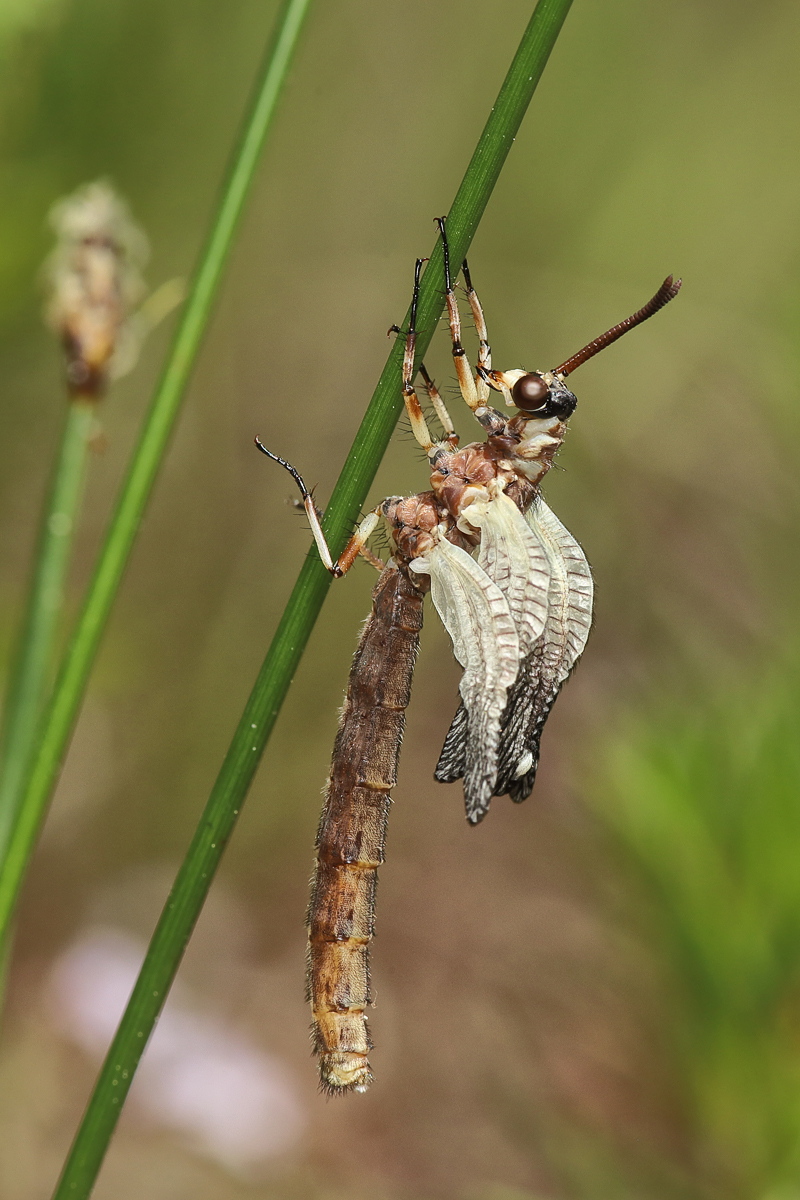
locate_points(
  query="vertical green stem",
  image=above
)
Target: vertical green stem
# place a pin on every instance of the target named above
(61, 715)
(34, 663)
(219, 817)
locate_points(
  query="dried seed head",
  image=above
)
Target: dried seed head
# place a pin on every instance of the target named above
(95, 282)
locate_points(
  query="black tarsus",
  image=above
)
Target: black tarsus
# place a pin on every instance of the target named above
(448, 282)
(295, 474)
(412, 324)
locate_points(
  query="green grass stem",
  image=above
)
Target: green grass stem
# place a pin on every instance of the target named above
(224, 805)
(61, 715)
(34, 663)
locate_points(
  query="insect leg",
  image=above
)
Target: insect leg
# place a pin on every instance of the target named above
(419, 426)
(445, 420)
(484, 349)
(466, 382)
(372, 559)
(357, 542)
(364, 551)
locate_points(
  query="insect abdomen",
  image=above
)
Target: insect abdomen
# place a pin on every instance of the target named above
(352, 832)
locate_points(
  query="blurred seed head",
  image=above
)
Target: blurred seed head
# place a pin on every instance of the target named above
(95, 282)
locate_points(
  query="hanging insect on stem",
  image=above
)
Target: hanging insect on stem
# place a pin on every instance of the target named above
(514, 591)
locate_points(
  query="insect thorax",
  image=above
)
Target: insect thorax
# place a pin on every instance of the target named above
(514, 458)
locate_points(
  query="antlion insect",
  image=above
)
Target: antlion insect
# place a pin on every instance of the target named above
(514, 591)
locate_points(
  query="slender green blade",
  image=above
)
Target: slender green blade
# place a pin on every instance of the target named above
(60, 717)
(31, 675)
(219, 817)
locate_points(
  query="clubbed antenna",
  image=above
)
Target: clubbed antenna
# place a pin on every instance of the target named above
(668, 291)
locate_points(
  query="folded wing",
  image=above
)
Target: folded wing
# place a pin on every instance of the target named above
(542, 669)
(476, 615)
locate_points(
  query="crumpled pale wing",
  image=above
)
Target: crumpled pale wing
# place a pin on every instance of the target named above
(543, 672)
(475, 613)
(513, 556)
(572, 574)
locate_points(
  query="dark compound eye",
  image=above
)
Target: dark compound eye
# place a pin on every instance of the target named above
(530, 392)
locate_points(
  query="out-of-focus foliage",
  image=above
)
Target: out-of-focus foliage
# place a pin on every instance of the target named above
(560, 1012)
(705, 799)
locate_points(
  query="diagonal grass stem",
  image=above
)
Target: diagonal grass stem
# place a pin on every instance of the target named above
(31, 673)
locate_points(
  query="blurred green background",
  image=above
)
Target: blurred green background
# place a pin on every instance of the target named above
(596, 995)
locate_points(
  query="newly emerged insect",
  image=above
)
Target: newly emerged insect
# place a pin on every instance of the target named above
(514, 591)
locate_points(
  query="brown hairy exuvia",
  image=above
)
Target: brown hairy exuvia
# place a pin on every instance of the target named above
(352, 829)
